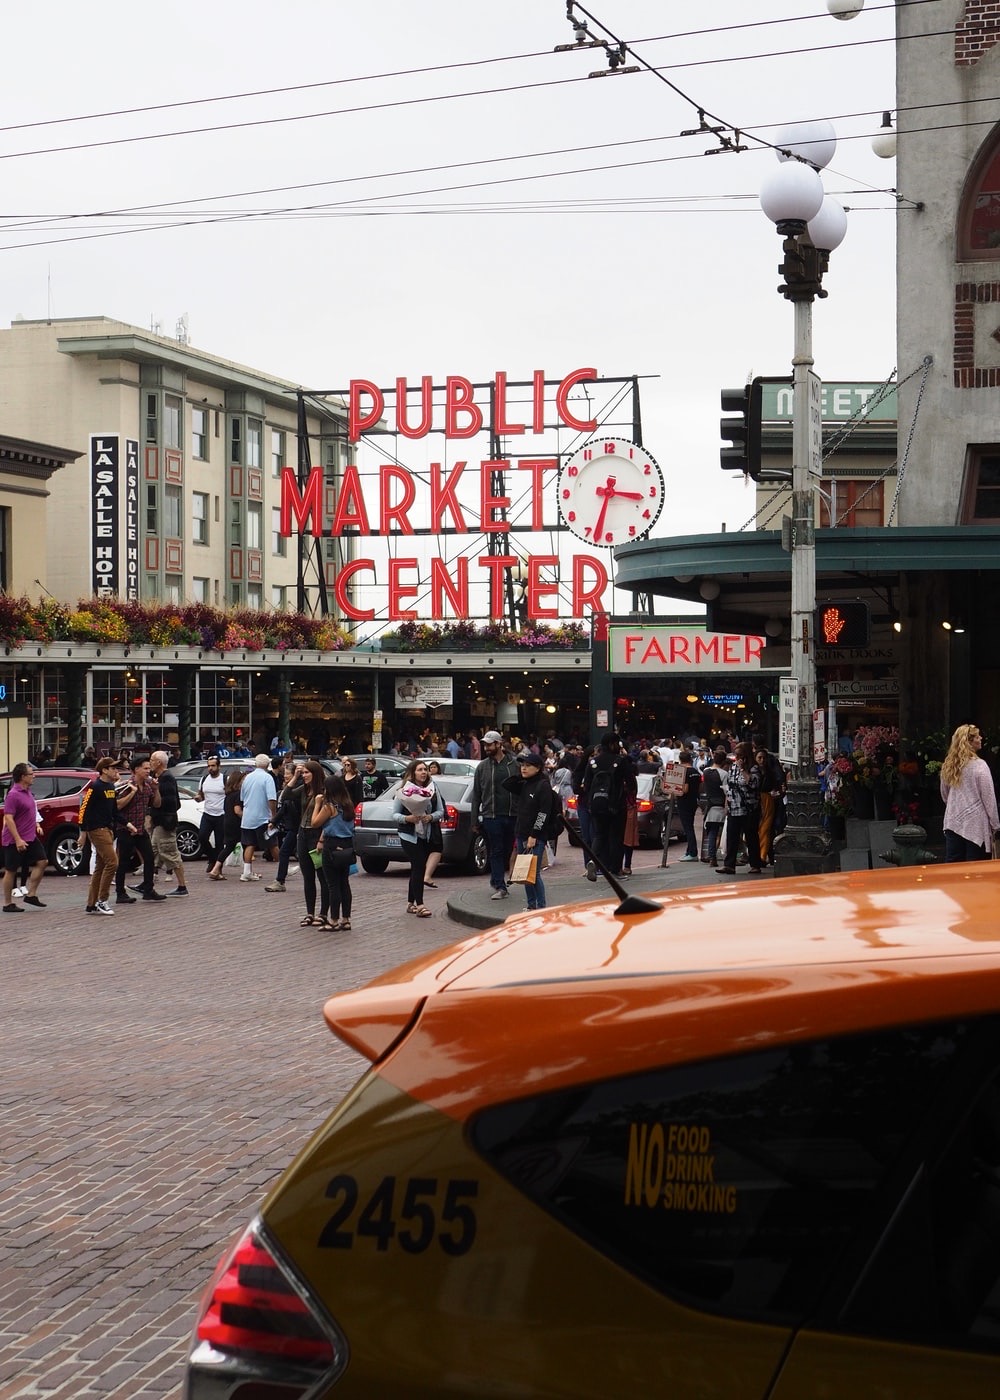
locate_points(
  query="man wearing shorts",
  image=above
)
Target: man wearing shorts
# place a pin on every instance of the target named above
(259, 800)
(21, 825)
(163, 816)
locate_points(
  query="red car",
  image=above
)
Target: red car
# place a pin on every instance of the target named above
(57, 793)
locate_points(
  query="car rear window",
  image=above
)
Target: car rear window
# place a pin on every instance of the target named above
(736, 1184)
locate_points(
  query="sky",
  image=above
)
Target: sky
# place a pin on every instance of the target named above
(410, 241)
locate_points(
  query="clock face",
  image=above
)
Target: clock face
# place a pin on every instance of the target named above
(610, 491)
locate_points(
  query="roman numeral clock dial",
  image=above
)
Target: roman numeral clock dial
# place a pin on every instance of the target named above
(610, 491)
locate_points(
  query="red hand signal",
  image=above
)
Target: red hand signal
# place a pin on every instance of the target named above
(833, 624)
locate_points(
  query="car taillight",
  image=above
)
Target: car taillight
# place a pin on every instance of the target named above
(571, 803)
(644, 805)
(359, 813)
(258, 1324)
(450, 819)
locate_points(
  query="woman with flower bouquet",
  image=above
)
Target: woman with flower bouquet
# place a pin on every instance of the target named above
(418, 807)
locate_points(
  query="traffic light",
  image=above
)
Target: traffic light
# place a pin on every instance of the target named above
(843, 625)
(743, 432)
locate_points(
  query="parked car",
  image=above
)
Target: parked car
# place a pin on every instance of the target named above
(376, 831)
(194, 769)
(651, 813)
(189, 825)
(746, 1145)
(57, 793)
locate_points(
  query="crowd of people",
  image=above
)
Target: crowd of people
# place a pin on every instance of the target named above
(296, 810)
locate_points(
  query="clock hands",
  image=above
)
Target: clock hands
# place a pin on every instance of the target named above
(607, 492)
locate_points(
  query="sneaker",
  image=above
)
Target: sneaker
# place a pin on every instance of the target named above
(154, 894)
(181, 889)
(248, 878)
(125, 899)
(689, 857)
(499, 894)
(33, 900)
(101, 907)
(275, 887)
(591, 871)
(16, 909)
(293, 869)
(19, 892)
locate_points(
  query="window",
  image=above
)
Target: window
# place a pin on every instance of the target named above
(982, 488)
(255, 440)
(255, 513)
(277, 452)
(171, 420)
(235, 595)
(5, 547)
(235, 440)
(279, 544)
(255, 596)
(152, 514)
(235, 523)
(151, 417)
(279, 598)
(172, 527)
(739, 1185)
(199, 590)
(172, 586)
(199, 518)
(855, 503)
(199, 433)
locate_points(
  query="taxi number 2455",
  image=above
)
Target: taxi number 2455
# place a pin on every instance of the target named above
(414, 1214)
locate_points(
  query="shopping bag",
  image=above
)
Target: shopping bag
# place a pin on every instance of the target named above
(236, 857)
(523, 869)
(317, 858)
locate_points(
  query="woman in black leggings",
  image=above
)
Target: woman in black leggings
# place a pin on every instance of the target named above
(232, 814)
(315, 813)
(337, 845)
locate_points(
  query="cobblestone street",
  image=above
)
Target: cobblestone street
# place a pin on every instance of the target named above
(159, 1068)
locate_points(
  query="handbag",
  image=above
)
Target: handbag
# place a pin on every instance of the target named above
(317, 858)
(523, 869)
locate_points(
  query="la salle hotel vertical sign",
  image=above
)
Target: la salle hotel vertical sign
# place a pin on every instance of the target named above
(111, 469)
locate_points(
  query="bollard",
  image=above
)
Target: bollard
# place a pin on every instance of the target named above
(909, 848)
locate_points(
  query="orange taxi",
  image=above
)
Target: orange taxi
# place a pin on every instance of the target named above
(745, 1144)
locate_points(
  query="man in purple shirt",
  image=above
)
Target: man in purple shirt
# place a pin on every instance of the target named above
(19, 842)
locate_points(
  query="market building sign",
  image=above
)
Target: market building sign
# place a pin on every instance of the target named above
(680, 650)
(493, 498)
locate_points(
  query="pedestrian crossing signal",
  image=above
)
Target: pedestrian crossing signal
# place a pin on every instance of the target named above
(843, 625)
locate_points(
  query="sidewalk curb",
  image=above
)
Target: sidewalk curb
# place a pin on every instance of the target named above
(475, 909)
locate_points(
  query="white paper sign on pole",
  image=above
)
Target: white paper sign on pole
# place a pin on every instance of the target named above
(819, 736)
(788, 721)
(673, 781)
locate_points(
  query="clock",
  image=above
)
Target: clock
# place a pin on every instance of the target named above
(610, 491)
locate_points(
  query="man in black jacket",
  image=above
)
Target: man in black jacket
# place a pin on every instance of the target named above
(164, 818)
(603, 790)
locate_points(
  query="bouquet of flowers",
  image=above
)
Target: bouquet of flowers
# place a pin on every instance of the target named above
(417, 801)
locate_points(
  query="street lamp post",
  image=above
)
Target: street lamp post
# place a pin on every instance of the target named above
(811, 226)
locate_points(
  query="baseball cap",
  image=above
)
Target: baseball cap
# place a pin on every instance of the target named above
(492, 737)
(526, 756)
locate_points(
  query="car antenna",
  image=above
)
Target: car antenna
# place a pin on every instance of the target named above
(630, 903)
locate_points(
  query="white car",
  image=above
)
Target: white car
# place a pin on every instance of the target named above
(189, 828)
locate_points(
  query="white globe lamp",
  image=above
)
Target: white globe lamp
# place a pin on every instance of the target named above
(814, 142)
(791, 195)
(826, 229)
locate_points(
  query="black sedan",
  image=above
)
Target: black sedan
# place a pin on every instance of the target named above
(376, 832)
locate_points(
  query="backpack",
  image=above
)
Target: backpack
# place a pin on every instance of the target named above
(554, 822)
(605, 792)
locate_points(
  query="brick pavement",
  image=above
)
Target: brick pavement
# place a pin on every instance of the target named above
(159, 1069)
